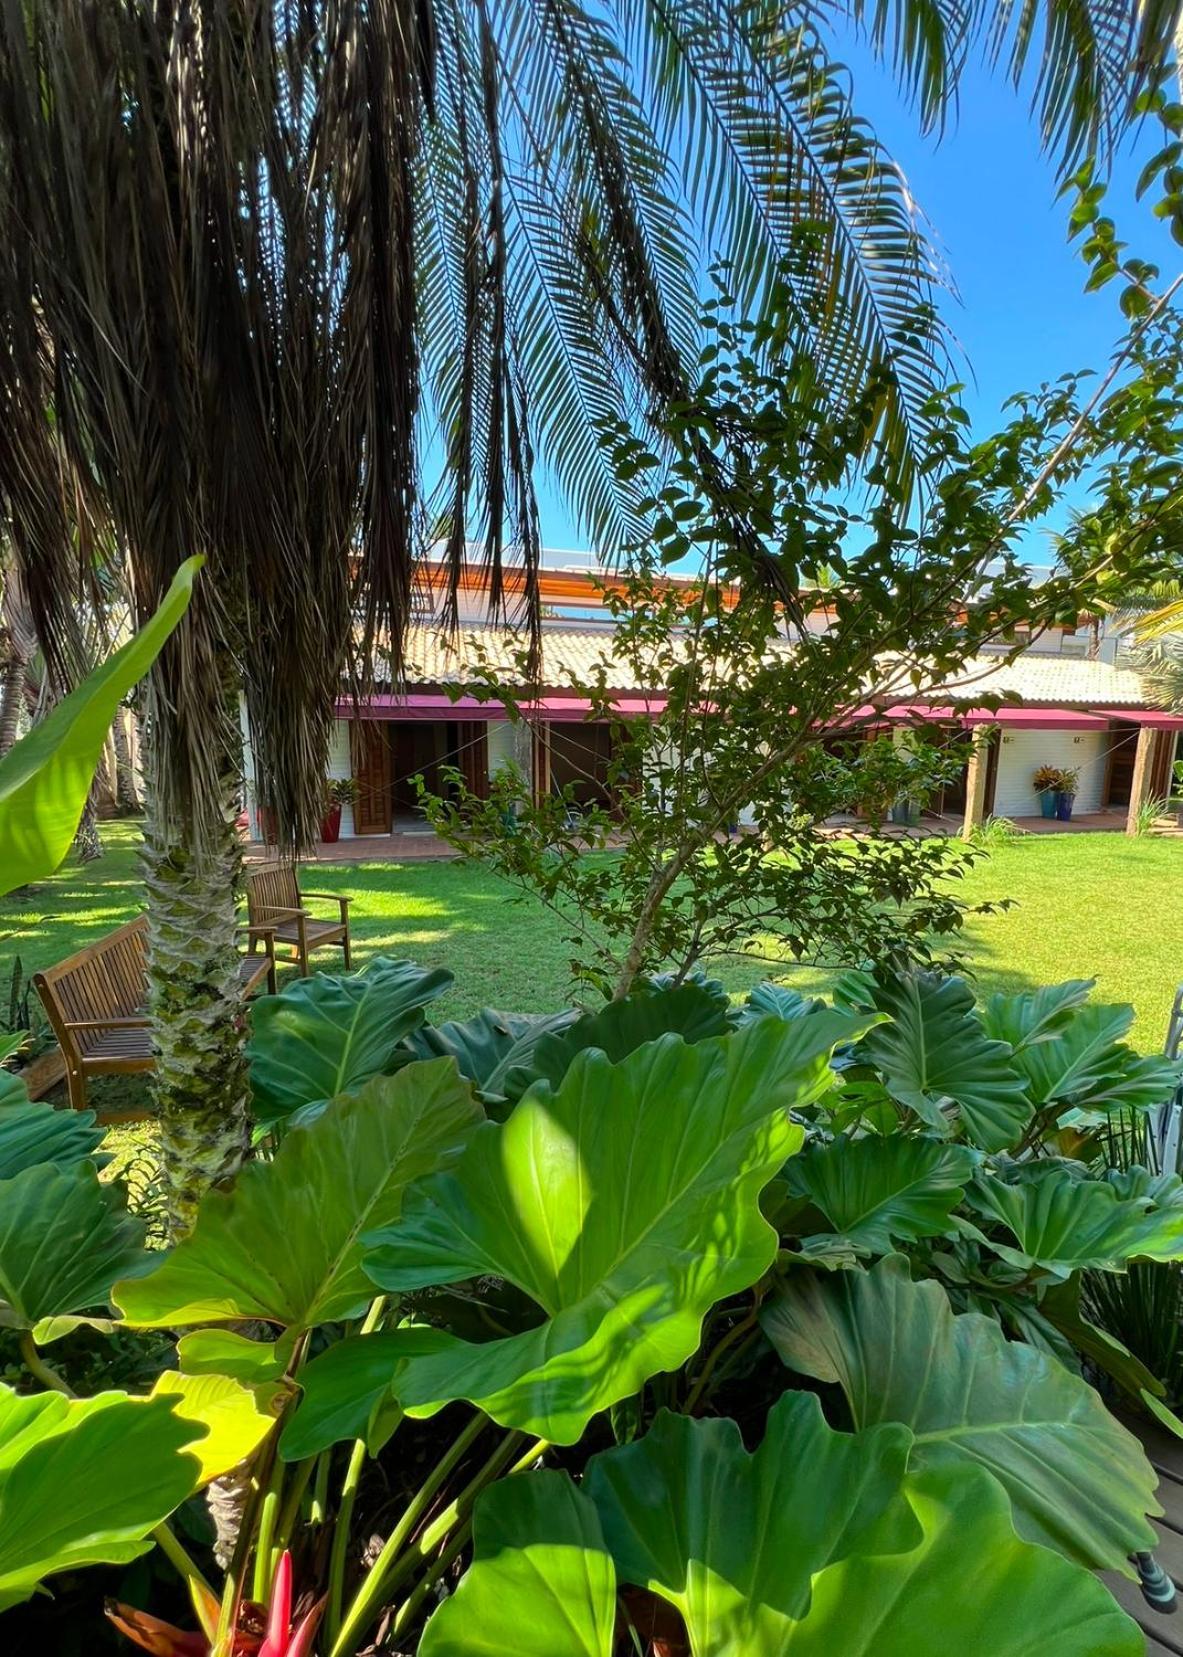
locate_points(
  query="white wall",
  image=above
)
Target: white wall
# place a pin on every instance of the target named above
(1023, 750)
(510, 743)
(341, 765)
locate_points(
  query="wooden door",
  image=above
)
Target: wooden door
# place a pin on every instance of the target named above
(541, 760)
(1119, 777)
(472, 742)
(371, 773)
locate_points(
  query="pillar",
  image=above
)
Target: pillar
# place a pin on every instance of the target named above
(1143, 778)
(977, 774)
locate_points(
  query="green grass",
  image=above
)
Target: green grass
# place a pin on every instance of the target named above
(1086, 906)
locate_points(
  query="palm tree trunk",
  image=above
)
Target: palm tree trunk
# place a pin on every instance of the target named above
(127, 801)
(87, 844)
(192, 875)
(11, 697)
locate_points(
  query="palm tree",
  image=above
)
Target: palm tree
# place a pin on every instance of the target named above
(1154, 622)
(260, 259)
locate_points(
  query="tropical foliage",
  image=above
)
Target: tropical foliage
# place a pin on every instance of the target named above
(625, 1244)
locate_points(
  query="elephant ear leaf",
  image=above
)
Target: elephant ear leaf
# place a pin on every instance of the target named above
(1076, 1058)
(85, 1481)
(46, 776)
(489, 1045)
(35, 1133)
(541, 1583)
(64, 1240)
(283, 1245)
(1063, 1223)
(1077, 1480)
(327, 1035)
(872, 1565)
(1036, 1015)
(933, 1055)
(877, 1191)
(1015, 1599)
(640, 1224)
(688, 1010)
(738, 1566)
(779, 1000)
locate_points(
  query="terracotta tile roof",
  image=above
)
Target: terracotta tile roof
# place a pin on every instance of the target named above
(574, 655)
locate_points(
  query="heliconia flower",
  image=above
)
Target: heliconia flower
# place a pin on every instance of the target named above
(162, 1639)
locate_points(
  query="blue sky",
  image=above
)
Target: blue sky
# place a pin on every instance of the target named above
(990, 195)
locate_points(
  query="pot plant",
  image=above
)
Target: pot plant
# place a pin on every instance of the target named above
(1066, 794)
(339, 792)
(1047, 782)
(1177, 791)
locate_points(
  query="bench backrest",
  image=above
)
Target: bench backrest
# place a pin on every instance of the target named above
(108, 979)
(271, 886)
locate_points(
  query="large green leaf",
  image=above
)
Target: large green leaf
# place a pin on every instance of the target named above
(734, 1539)
(777, 999)
(934, 1053)
(284, 1244)
(618, 1029)
(46, 776)
(1035, 1015)
(878, 1190)
(33, 1133)
(84, 1482)
(624, 1204)
(64, 1240)
(818, 1546)
(541, 1583)
(1084, 1063)
(12, 1089)
(1062, 1222)
(327, 1035)
(490, 1047)
(346, 1391)
(1078, 1481)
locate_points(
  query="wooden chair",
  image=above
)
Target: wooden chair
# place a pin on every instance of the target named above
(96, 1003)
(275, 900)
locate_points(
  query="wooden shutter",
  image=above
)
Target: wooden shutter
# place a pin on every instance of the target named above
(472, 740)
(372, 813)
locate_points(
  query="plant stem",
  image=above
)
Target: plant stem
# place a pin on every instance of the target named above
(413, 1604)
(268, 1515)
(39, 1369)
(181, 1562)
(320, 1488)
(369, 1597)
(735, 1333)
(339, 1552)
(295, 1496)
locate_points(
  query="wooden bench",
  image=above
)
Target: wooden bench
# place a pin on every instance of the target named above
(96, 1002)
(275, 900)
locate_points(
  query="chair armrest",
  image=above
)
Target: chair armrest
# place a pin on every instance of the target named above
(267, 933)
(331, 897)
(273, 910)
(107, 1024)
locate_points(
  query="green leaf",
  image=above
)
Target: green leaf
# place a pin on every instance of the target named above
(625, 1204)
(284, 1244)
(34, 1133)
(46, 776)
(1078, 1481)
(1077, 1058)
(64, 1240)
(223, 1352)
(234, 1423)
(84, 1482)
(935, 1053)
(489, 1045)
(1060, 1306)
(325, 1035)
(971, 1585)
(347, 1390)
(876, 1191)
(621, 1027)
(1036, 1015)
(779, 1000)
(541, 1583)
(733, 1540)
(1064, 1223)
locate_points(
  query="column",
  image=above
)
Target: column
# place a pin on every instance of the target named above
(1143, 775)
(976, 777)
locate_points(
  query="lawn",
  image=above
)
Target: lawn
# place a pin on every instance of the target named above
(1085, 906)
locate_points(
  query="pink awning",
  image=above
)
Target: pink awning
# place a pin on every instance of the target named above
(1154, 717)
(1042, 719)
(423, 706)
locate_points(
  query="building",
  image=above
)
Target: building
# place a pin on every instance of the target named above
(1070, 704)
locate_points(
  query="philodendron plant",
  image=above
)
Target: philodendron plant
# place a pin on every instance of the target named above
(514, 1331)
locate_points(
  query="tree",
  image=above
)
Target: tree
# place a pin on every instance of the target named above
(250, 248)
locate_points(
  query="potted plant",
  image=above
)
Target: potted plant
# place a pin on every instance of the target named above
(1177, 792)
(1066, 794)
(339, 792)
(1047, 782)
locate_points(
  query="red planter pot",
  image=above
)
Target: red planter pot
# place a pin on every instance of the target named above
(330, 826)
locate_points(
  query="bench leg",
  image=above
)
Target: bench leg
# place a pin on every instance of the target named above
(346, 950)
(76, 1087)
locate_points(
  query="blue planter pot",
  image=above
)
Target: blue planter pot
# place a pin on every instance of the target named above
(1064, 807)
(1047, 802)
